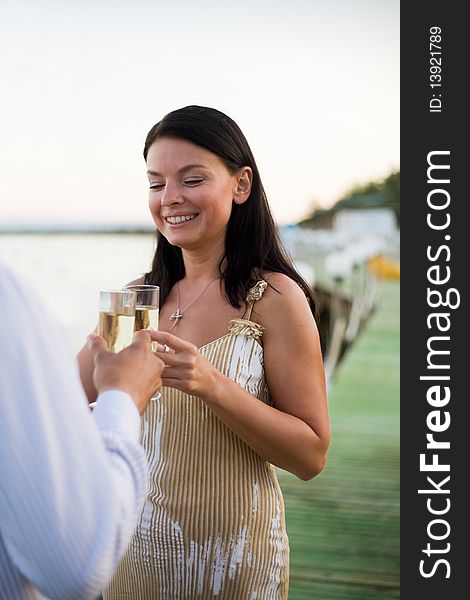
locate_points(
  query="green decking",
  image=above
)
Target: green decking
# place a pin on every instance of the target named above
(344, 525)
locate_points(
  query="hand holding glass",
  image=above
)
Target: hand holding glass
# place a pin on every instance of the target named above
(116, 319)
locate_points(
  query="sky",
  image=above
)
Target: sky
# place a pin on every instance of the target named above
(313, 84)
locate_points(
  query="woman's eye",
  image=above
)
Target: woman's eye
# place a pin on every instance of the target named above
(194, 180)
(157, 186)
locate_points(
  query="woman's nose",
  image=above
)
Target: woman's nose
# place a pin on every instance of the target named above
(171, 195)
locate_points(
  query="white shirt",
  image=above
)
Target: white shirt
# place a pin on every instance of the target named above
(72, 483)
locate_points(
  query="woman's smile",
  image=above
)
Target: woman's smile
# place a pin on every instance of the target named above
(180, 219)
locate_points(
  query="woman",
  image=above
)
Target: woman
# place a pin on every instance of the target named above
(244, 385)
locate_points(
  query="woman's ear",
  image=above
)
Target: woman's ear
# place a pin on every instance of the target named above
(243, 185)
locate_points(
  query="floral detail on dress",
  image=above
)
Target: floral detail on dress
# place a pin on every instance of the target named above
(244, 327)
(256, 291)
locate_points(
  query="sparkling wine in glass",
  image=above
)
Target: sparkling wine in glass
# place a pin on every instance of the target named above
(147, 306)
(147, 309)
(117, 318)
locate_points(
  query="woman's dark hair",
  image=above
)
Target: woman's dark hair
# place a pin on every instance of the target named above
(252, 242)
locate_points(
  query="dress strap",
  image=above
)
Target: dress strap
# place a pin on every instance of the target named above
(244, 325)
(254, 294)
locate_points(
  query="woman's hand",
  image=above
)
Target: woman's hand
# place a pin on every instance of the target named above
(185, 368)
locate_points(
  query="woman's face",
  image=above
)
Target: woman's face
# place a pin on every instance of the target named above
(191, 193)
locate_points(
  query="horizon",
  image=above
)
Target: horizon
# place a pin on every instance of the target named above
(88, 226)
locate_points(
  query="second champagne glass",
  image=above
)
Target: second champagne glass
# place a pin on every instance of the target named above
(147, 309)
(147, 306)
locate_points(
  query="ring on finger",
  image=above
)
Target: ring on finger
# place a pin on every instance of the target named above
(166, 348)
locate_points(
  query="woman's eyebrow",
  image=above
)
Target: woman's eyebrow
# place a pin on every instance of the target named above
(180, 171)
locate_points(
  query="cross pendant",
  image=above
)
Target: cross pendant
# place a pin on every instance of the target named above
(176, 316)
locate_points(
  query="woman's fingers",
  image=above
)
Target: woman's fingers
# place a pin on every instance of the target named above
(163, 349)
(173, 341)
(185, 368)
(170, 358)
(177, 384)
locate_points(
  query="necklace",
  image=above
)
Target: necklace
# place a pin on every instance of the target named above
(178, 313)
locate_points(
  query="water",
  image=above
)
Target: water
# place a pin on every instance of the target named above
(68, 271)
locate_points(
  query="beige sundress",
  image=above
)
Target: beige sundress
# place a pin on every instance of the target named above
(213, 522)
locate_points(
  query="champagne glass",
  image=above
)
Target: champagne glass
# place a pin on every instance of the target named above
(117, 317)
(146, 311)
(147, 306)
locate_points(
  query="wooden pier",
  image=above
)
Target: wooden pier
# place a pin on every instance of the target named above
(344, 525)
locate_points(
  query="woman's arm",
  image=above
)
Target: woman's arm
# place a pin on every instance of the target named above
(294, 433)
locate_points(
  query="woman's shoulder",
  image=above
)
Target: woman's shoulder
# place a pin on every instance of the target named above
(284, 304)
(280, 284)
(281, 292)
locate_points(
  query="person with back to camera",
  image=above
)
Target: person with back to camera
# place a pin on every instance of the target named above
(72, 483)
(243, 384)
